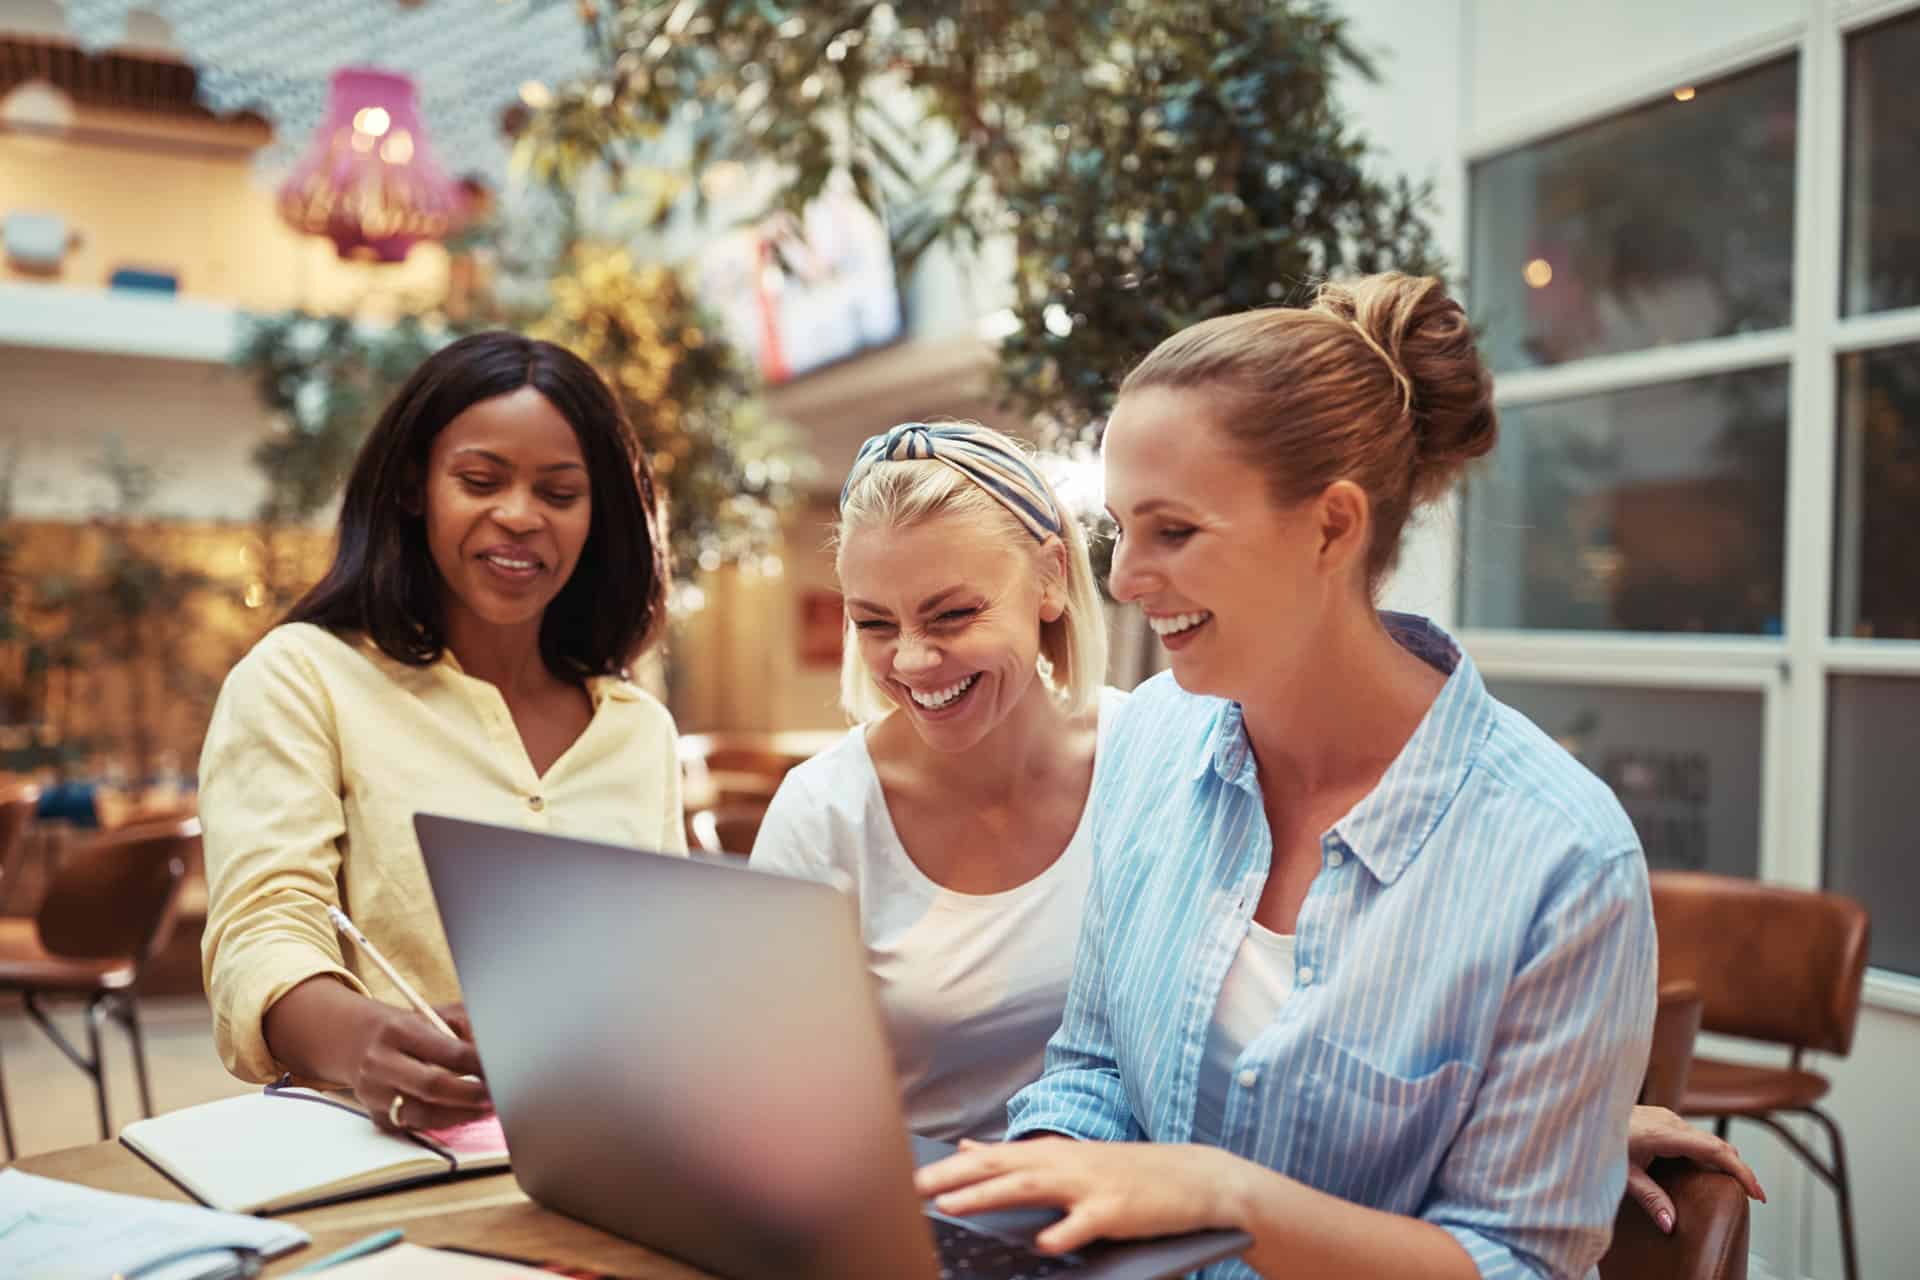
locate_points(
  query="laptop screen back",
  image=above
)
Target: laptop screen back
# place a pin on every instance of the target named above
(683, 1053)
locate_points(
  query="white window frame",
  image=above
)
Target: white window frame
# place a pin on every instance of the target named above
(1790, 671)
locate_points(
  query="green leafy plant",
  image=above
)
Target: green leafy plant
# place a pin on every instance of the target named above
(1154, 162)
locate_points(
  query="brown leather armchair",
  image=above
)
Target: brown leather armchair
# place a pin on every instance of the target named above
(1774, 964)
(18, 801)
(1676, 1022)
(105, 915)
(1709, 1240)
(725, 828)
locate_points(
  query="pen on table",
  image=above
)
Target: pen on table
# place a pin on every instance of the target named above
(358, 1249)
(359, 939)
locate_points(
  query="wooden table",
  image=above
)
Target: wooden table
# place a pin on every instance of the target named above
(486, 1212)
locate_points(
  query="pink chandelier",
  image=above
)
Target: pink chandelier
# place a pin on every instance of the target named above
(369, 182)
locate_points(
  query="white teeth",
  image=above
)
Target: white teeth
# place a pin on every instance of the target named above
(1177, 623)
(507, 562)
(938, 698)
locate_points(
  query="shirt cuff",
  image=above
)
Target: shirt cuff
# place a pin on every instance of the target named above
(1493, 1258)
(1074, 1115)
(241, 1008)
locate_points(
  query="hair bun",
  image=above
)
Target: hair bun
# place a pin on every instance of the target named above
(1427, 342)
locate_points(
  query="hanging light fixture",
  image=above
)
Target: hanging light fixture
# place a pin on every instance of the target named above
(368, 181)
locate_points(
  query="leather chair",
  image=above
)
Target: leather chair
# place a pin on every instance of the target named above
(721, 767)
(18, 802)
(725, 828)
(1676, 1022)
(1709, 1240)
(1779, 965)
(105, 915)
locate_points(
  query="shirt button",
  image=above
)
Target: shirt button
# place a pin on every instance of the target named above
(1306, 975)
(1335, 858)
(536, 803)
(1249, 1078)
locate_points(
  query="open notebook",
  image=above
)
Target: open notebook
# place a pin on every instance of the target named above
(291, 1148)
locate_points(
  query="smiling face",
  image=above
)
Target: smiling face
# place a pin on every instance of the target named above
(508, 509)
(947, 614)
(1236, 587)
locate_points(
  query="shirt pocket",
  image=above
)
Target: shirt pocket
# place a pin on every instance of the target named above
(1375, 1136)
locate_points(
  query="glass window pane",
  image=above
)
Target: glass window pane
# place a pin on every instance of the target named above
(1666, 224)
(1876, 549)
(1662, 508)
(1873, 845)
(1883, 185)
(1684, 762)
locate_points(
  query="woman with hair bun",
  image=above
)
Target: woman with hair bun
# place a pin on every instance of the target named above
(1367, 961)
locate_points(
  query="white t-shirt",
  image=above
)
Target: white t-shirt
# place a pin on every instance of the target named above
(1258, 982)
(971, 986)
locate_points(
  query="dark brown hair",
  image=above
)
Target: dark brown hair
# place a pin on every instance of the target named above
(383, 582)
(1378, 382)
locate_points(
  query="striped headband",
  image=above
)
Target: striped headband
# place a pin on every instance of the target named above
(976, 453)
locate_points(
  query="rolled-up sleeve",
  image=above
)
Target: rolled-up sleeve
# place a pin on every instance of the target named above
(1532, 1183)
(270, 803)
(1079, 1093)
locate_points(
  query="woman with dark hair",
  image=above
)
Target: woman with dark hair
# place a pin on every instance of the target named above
(499, 564)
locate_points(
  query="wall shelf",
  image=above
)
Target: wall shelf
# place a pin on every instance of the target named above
(116, 322)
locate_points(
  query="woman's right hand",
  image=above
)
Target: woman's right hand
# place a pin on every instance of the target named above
(1655, 1133)
(437, 1079)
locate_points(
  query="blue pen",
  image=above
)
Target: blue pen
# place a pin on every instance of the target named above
(359, 1249)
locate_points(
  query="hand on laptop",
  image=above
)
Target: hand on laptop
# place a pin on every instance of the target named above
(436, 1080)
(1108, 1190)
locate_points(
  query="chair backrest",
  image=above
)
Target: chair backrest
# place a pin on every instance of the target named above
(18, 803)
(1676, 1021)
(113, 896)
(1771, 963)
(726, 828)
(1709, 1240)
(740, 752)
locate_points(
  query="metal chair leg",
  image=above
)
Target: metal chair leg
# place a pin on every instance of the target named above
(1842, 1192)
(97, 1068)
(130, 1018)
(6, 1120)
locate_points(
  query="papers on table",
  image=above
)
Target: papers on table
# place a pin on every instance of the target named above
(53, 1230)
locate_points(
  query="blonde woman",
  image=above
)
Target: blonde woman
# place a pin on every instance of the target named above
(956, 811)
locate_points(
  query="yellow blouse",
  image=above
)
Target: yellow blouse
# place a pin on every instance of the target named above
(320, 751)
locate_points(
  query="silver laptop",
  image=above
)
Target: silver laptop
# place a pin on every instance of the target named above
(689, 1055)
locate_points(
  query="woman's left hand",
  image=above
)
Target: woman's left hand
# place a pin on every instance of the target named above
(1108, 1190)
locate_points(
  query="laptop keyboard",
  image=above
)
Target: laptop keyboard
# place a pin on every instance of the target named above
(972, 1255)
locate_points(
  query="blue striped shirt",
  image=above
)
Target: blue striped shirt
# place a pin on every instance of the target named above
(1475, 984)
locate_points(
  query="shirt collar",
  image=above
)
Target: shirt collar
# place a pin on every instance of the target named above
(1390, 825)
(617, 688)
(599, 688)
(1228, 752)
